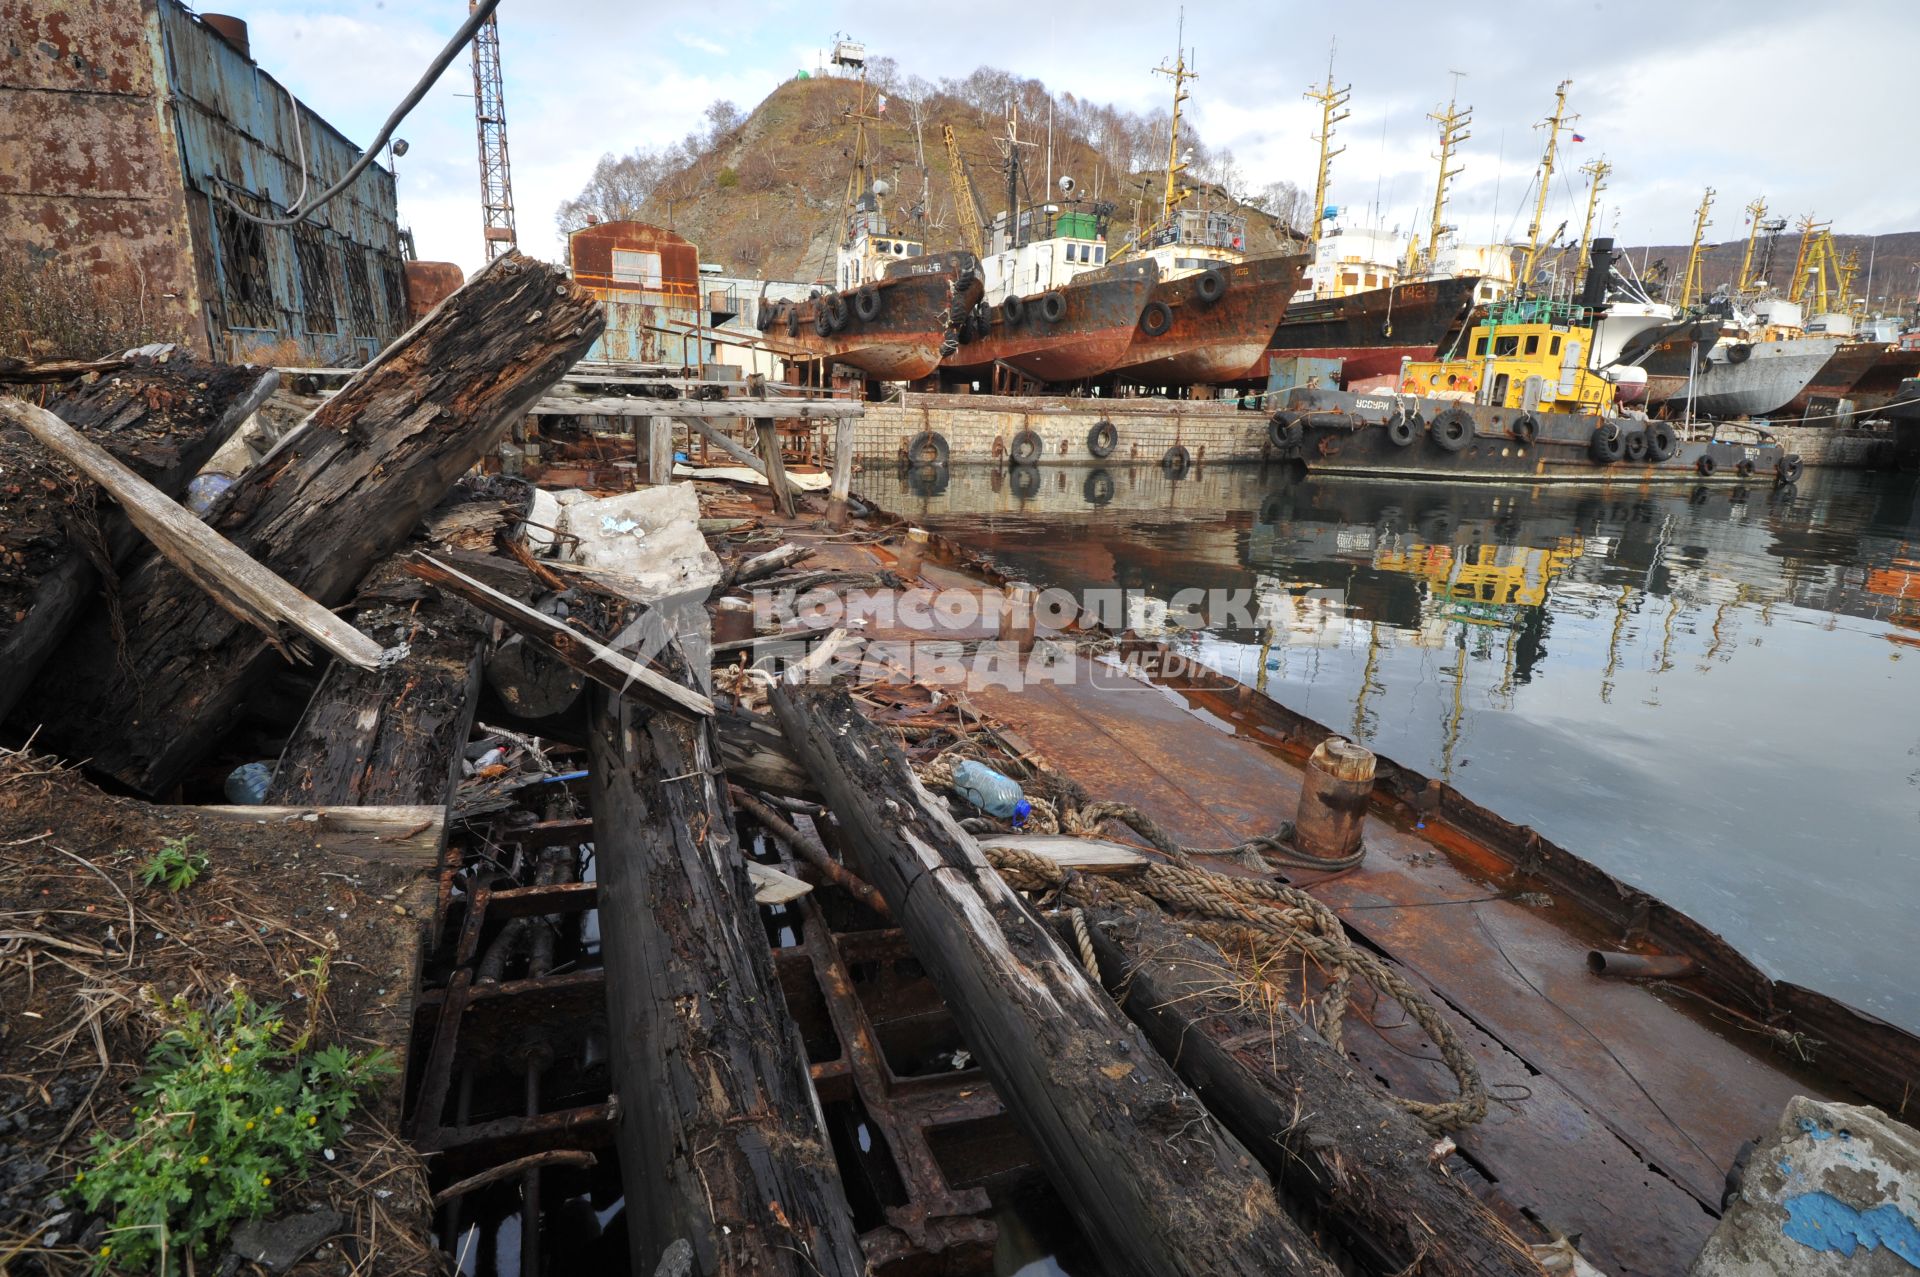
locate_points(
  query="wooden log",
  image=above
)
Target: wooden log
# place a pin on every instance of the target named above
(653, 442)
(582, 652)
(729, 446)
(837, 495)
(766, 564)
(247, 591)
(1156, 1187)
(331, 499)
(393, 734)
(17, 371)
(721, 1136)
(1324, 1130)
(164, 420)
(393, 835)
(776, 469)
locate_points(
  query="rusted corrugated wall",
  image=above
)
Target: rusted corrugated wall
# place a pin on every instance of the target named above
(653, 307)
(88, 176)
(129, 129)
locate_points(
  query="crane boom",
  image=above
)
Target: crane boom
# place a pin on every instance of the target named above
(490, 120)
(965, 207)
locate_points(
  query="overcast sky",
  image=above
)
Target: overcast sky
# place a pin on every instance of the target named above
(1806, 104)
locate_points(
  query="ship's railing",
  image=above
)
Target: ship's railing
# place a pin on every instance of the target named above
(1536, 310)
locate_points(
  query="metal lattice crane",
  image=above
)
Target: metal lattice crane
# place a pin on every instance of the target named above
(490, 116)
(964, 205)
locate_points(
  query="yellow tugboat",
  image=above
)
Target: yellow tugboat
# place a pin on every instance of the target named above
(1522, 398)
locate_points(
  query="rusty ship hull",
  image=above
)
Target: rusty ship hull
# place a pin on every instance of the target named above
(1090, 337)
(920, 304)
(1746, 379)
(1372, 331)
(1218, 341)
(1837, 379)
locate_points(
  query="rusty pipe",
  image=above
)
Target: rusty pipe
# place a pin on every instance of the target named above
(812, 852)
(1640, 966)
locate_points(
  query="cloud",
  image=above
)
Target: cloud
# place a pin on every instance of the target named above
(701, 43)
(1678, 97)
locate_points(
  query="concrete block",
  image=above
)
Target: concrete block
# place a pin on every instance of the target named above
(543, 517)
(1833, 1191)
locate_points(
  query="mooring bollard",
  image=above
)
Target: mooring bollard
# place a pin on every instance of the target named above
(732, 621)
(1333, 799)
(1017, 620)
(912, 551)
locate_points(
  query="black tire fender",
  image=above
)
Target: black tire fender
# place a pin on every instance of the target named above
(929, 447)
(1402, 428)
(1705, 466)
(1212, 284)
(1155, 318)
(1026, 449)
(1739, 352)
(793, 320)
(822, 319)
(1525, 427)
(1102, 439)
(837, 310)
(1453, 429)
(1634, 446)
(1661, 441)
(1280, 432)
(1787, 469)
(1606, 446)
(1176, 462)
(1053, 307)
(1012, 310)
(867, 303)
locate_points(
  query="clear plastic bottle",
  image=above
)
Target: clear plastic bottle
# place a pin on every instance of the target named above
(996, 795)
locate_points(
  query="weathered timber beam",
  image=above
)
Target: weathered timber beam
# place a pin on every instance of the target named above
(393, 734)
(62, 594)
(401, 835)
(231, 579)
(582, 652)
(688, 409)
(1156, 1186)
(776, 470)
(729, 446)
(721, 1138)
(1326, 1133)
(146, 699)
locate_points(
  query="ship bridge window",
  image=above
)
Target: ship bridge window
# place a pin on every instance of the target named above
(1533, 343)
(1554, 349)
(899, 248)
(1350, 279)
(1099, 254)
(1506, 346)
(1480, 347)
(914, 250)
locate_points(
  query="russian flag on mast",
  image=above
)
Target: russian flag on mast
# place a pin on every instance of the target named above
(1579, 137)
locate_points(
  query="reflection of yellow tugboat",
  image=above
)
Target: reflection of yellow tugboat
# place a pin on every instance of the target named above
(1480, 577)
(1520, 401)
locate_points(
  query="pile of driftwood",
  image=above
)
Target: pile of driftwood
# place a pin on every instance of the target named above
(1188, 1133)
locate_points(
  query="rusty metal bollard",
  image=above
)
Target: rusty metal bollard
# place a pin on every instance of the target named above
(1333, 799)
(912, 552)
(1017, 621)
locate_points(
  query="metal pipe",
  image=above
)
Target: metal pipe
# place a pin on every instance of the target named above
(1640, 966)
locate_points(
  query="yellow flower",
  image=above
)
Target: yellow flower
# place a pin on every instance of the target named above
(77, 1178)
(226, 1068)
(266, 1179)
(278, 1109)
(203, 1159)
(249, 1125)
(311, 1119)
(106, 1250)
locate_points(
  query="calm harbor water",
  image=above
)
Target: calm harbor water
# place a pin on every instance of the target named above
(1713, 693)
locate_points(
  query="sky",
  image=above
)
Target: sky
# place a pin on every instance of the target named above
(1800, 103)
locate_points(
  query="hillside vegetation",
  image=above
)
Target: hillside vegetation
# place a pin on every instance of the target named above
(764, 194)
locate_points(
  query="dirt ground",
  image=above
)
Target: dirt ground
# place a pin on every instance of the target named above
(85, 950)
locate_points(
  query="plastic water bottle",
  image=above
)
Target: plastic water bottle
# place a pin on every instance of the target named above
(247, 784)
(996, 795)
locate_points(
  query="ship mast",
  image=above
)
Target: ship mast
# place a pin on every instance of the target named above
(1176, 193)
(1808, 256)
(1332, 103)
(1690, 285)
(1756, 212)
(1553, 124)
(1453, 131)
(1596, 171)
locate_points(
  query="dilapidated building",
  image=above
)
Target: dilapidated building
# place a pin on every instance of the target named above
(648, 279)
(135, 135)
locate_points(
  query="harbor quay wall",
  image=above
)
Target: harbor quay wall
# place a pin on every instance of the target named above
(980, 428)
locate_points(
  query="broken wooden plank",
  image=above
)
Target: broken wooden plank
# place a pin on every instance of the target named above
(582, 652)
(331, 499)
(773, 887)
(839, 496)
(1332, 1139)
(1156, 1186)
(165, 420)
(1088, 855)
(228, 576)
(720, 1136)
(17, 371)
(399, 835)
(393, 734)
(729, 446)
(776, 470)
